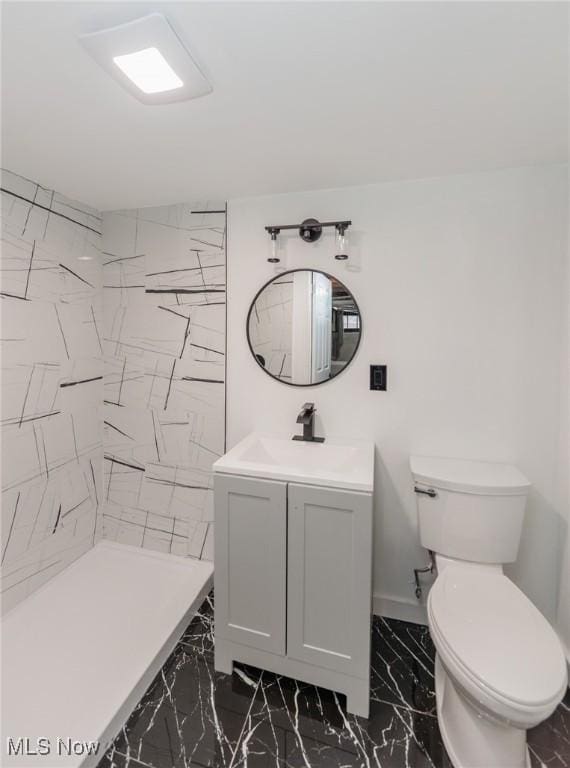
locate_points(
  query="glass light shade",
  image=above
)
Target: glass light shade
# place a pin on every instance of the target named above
(272, 256)
(341, 244)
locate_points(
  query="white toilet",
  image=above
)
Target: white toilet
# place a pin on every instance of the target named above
(500, 667)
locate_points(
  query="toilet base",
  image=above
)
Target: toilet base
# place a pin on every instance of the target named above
(471, 740)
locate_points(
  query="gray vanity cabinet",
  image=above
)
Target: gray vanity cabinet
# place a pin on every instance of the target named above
(293, 582)
(250, 574)
(328, 578)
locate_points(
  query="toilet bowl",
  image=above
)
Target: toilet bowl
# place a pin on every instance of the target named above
(500, 668)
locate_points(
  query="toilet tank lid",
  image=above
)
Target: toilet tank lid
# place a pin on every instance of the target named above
(469, 476)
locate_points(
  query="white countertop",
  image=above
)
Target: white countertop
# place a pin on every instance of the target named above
(336, 463)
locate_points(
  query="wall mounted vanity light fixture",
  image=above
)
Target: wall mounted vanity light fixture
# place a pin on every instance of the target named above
(273, 258)
(148, 59)
(341, 249)
(310, 231)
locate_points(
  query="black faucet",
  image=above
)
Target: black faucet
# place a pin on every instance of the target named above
(307, 419)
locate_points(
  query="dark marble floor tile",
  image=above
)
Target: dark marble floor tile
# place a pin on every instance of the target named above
(549, 742)
(402, 663)
(116, 759)
(193, 716)
(200, 633)
(295, 724)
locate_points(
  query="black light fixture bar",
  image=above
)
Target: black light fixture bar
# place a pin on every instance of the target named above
(310, 231)
(306, 225)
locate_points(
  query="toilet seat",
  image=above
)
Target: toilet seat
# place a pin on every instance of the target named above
(496, 645)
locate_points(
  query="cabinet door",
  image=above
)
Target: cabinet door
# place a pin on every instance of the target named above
(329, 578)
(250, 540)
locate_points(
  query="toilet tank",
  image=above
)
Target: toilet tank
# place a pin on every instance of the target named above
(469, 510)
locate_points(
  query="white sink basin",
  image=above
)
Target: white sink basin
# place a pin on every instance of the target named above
(347, 464)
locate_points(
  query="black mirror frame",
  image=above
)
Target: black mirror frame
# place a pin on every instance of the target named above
(251, 306)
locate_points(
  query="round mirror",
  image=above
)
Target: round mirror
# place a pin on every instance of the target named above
(304, 327)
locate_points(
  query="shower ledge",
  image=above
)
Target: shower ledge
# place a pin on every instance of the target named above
(80, 652)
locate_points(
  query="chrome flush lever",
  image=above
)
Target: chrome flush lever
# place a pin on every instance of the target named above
(426, 492)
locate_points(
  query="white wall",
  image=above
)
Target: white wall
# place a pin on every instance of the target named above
(563, 613)
(459, 281)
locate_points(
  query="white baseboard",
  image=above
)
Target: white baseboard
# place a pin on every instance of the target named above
(399, 608)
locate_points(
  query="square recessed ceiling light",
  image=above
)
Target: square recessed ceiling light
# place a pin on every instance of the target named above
(148, 59)
(149, 70)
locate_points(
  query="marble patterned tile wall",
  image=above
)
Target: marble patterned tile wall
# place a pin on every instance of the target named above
(52, 370)
(164, 301)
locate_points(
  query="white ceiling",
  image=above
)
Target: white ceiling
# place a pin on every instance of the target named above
(306, 96)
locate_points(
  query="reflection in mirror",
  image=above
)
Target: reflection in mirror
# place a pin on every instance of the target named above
(304, 327)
